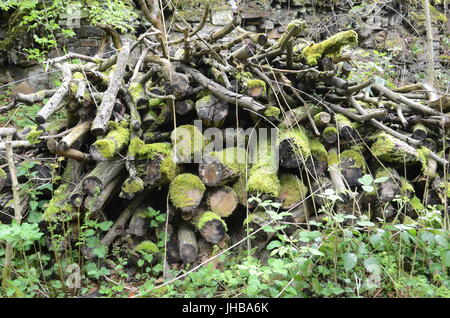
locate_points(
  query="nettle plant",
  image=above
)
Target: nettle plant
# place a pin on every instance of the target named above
(44, 19)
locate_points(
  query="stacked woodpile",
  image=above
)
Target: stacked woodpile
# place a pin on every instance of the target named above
(129, 137)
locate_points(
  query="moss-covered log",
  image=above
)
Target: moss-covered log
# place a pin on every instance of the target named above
(211, 226)
(263, 179)
(222, 167)
(114, 142)
(292, 191)
(101, 175)
(293, 147)
(186, 192)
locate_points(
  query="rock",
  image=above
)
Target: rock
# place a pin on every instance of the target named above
(37, 78)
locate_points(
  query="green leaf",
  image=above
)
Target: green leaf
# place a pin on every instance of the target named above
(381, 179)
(366, 179)
(368, 188)
(445, 258)
(350, 260)
(273, 244)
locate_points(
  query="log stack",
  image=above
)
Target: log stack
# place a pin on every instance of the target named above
(132, 136)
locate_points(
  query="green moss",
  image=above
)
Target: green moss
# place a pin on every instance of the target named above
(331, 47)
(292, 189)
(114, 141)
(209, 216)
(2, 174)
(333, 159)
(182, 184)
(424, 154)
(240, 187)
(78, 76)
(357, 157)
(136, 90)
(263, 175)
(188, 142)
(318, 150)
(342, 120)
(406, 186)
(234, 158)
(243, 75)
(385, 149)
(33, 135)
(147, 247)
(299, 140)
(272, 111)
(155, 102)
(330, 130)
(106, 147)
(133, 185)
(257, 83)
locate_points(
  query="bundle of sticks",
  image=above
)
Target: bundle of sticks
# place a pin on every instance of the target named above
(129, 136)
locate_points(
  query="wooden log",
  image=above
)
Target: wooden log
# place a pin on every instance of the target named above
(139, 224)
(31, 99)
(345, 128)
(95, 203)
(119, 225)
(55, 102)
(317, 163)
(186, 192)
(105, 109)
(351, 164)
(393, 150)
(116, 140)
(330, 135)
(222, 167)
(222, 201)
(293, 147)
(388, 189)
(318, 188)
(337, 179)
(58, 208)
(188, 143)
(223, 93)
(75, 134)
(52, 146)
(211, 110)
(184, 107)
(322, 119)
(211, 226)
(101, 175)
(6, 131)
(130, 187)
(187, 243)
(16, 144)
